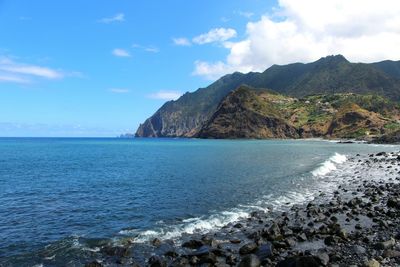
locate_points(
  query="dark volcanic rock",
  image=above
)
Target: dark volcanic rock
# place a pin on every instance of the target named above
(248, 248)
(193, 244)
(116, 251)
(250, 261)
(304, 261)
(93, 264)
(264, 252)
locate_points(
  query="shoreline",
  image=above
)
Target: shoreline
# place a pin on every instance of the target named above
(355, 225)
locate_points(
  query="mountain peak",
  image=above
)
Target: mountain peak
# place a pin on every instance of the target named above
(333, 59)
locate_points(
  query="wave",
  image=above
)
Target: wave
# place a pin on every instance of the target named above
(190, 226)
(204, 224)
(329, 165)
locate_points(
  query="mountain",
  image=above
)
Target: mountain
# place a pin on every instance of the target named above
(244, 113)
(329, 75)
(258, 113)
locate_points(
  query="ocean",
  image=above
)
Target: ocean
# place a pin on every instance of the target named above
(60, 198)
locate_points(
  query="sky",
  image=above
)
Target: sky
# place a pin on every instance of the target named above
(101, 67)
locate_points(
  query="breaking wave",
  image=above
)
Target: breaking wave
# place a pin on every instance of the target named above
(329, 165)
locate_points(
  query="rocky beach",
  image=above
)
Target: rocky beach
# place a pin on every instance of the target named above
(354, 223)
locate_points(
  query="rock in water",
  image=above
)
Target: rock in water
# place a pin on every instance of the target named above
(193, 244)
(250, 261)
(93, 264)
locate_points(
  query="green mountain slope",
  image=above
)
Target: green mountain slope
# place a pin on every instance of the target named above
(250, 113)
(333, 74)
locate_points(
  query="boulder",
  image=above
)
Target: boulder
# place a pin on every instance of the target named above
(248, 248)
(250, 260)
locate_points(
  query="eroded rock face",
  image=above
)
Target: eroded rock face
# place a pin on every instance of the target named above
(243, 114)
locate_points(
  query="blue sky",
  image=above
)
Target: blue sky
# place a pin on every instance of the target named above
(101, 67)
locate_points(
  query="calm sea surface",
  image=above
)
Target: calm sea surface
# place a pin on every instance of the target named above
(56, 192)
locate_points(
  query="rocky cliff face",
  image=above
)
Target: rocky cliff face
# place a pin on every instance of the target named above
(243, 114)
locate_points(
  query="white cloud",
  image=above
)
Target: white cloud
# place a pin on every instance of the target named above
(215, 35)
(13, 79)
(152, 49)
(16, 72)
(42, 72)
(120, 17)
(119, 90)
(211, 71)
(303, 31)
(165, 95)
(118, 52)
(245, 14)
(181, 41)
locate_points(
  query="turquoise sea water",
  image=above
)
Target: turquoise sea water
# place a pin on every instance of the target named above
(56, 194)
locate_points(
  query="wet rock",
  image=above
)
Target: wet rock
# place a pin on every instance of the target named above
(171, 253)
(181, 262)
(303, 261)
(116, 251)
(231, 259)
(238, 225)
(235, 241)
(250, 260)
(273, 233)
(204, 250)
(156, 261)
(208, 258)
(193, 244)
(93, 264)
(156, 242)
(264, 252)
(248, 248)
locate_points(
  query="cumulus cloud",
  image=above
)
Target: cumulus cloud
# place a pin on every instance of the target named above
(119, 90)
(215, 35)
(16, 72)
(165, 95)
(303, 31)
(118, 52)
(181, 41)
(120, 17)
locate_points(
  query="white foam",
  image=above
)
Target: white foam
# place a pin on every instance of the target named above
(192, 225)
(329, 165)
